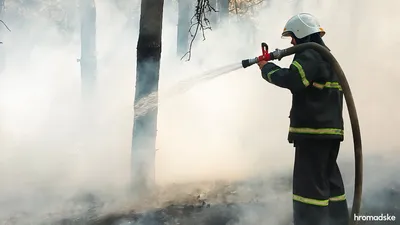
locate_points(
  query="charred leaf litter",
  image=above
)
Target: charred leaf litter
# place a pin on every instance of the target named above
(243, 203)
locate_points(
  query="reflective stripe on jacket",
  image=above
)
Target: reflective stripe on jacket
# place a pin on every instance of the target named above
(317, 97)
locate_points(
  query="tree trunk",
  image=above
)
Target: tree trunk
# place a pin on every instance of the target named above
(223, 9)
(2, 49)
(183, 26)
(213, 15)
(88, 63)
(147, 76)
(88, 46)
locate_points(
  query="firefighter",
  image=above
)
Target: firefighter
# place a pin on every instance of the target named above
(316, 126)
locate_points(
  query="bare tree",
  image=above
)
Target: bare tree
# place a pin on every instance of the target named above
(213, 16)
(184, 7)
(2, 50)
(88, 45)
(205, 13)
(147, 77)
(199, 22)
(223, 8)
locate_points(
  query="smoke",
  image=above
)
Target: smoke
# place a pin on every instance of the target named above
(231, 128)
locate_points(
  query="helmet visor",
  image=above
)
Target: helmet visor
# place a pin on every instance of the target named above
(287, 35)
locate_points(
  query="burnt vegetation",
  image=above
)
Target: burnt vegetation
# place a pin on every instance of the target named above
(223, 203)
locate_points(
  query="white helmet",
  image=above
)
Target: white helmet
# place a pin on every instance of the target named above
(302, 25)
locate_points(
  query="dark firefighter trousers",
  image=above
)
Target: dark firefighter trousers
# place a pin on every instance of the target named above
(318, 190)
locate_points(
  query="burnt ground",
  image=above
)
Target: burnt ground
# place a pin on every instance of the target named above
(241, 203)
(228, 214)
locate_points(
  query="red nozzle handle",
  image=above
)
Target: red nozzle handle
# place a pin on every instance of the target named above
(265, 55)
(264, 48)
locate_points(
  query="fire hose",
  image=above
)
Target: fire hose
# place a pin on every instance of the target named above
(279, 54)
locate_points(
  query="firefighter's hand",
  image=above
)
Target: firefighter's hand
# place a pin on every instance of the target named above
(261, 64)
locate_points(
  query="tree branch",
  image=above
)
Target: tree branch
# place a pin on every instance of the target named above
(243, 8)
(6, 27)
(199, 23)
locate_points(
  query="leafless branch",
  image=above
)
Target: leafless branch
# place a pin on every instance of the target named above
(5, 26)
(244, 7)
(199, 23)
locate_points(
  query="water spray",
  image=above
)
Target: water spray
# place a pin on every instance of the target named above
(279, 54)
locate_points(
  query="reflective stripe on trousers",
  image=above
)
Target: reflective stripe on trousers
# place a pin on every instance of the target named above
(311, 201)
(318, 202)
(306, 130)
(338, 198)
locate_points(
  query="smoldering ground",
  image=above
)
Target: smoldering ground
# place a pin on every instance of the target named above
(232, 128)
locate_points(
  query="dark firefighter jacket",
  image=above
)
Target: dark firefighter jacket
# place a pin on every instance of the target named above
(317, 101)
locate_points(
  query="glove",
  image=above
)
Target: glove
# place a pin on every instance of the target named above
(261, 64)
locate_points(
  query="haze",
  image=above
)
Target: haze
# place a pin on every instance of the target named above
(231, 128)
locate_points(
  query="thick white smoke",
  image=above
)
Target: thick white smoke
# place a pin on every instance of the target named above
(231, 128)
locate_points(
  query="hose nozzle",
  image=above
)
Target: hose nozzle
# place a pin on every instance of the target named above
(264, 57)
(277, 54)
(248, 62)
